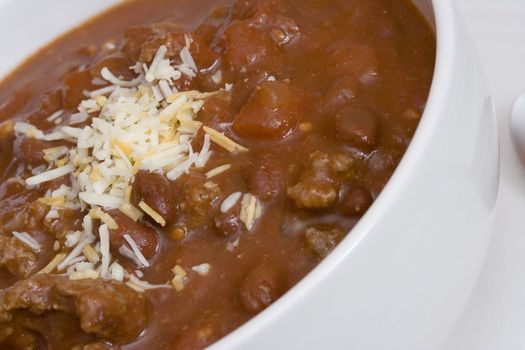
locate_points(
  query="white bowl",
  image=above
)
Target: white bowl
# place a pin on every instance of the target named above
(404, 274)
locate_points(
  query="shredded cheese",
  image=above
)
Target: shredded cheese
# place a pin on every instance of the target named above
(120, 128)
(103, 233)
(136, 250)
(202, 269)
(218, 170)
(50, 175)
(145, 285)
(131, 211)
(223, 141)
(230, 201)
(250, 210)
(53, 263)
(97, 213)
(91, 254)
(81, 275)
(152, 213)
(29, 241)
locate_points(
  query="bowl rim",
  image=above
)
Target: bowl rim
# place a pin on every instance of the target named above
(444, 13)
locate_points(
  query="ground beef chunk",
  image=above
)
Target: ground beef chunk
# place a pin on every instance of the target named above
(17, 258)
(198, 197)
(322, 242)
(19, 338)
(330, 163)
(108, 310)
(95, 346)
(27, 217)
(155, 190)
(313, 192)
(340, 163)
(5, 331)
(319, 185)
(30, 151)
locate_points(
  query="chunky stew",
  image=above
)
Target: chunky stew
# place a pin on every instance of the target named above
(171, 168)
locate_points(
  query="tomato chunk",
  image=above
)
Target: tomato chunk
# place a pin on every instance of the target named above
(272, 112)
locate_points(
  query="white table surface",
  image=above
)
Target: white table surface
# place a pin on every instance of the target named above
(495, 316)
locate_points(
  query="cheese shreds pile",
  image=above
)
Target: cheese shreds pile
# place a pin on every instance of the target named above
(140, 124)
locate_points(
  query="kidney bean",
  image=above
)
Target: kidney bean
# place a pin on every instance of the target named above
(340, 94)
(155, 190)
(381, 161)
(117, 63)
(214, 111)
(229, 223)
(280, 28)
(266, 176)
(357, 127)
(261, 287)
(144, 236)
(356, 201)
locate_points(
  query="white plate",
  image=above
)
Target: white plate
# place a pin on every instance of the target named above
(495, 317)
